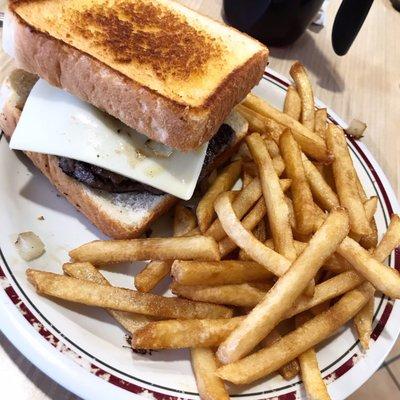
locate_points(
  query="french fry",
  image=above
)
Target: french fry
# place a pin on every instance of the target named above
(256, 121)
(272, 147)
(321, 191)
(321, 117)
(151, 275)
(267, 314)
(247, 179)
(363, 323)
(184, 221)
(277, 163)
(292, 218)
(177, 334)
(363, 320)
(241, 295)
(218, 273)
(249, 222)
(209, 385)
(370, 206)
(310, 373)
(304, 88)
(119, 299)
(270, 359)
(241, 236)
(241, 205)
(346, 180)
(224, 181)
(86, 271)
(384, 278)
(302, 198)
(310, 142)
(260, 231)
(292, 368)
(105, 252)
(277, 209)
(370, 241)
(292, 105)
(155, 271)
(260, 123)
(326, 291)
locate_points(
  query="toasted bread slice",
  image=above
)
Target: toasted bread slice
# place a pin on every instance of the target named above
(118, 215)
(156, 65)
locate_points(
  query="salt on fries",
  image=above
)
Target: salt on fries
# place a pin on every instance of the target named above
(297, 243)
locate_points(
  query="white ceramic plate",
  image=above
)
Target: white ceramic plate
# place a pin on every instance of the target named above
(83, 349)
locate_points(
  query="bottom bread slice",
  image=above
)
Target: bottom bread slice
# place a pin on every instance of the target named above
(118, 215)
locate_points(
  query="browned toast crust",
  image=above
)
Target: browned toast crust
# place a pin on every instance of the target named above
(160, 118)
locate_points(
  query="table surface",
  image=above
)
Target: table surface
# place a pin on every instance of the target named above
(365, 84)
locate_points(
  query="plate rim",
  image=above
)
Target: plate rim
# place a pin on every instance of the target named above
(64, 370)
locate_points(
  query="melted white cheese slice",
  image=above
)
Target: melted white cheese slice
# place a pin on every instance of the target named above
(55, 122)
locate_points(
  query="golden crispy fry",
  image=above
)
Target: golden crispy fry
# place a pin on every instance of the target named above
(87, 272)
(310, 142)
(310, 373)
(260, 123)
(260, 231)
(224, 181)
(363, 320)
(119, 299)
(247, 179)
(241, 295)
(370, 207)
(270, 359)
(278, 301)
(303, 203)
(277, 163)
(105, 252)
(209, 385)
(384, 278)
(241, 205)
(255, 120)
(216, 273)
(151, 275)
(292, 368)
(155, 271)
(272, 148)
(390, 240)
(346, 181)
(327, 290)
(321, 191)
(363, 323)
(277, 209)
(300, 246)
(249, 222)
(177, 334)
(241, 236)
(292, 104)
(184, 221)
(292, 218)
(370, 241)
(321, 118)
(304, 88)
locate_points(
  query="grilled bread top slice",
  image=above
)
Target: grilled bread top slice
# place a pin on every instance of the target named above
(181, 72)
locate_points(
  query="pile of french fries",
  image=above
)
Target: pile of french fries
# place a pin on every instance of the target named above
(260, 275)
